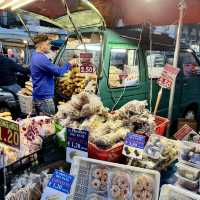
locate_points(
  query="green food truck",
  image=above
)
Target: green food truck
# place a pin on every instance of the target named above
(120, 60)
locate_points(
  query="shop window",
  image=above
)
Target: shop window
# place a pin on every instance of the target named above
(124, 68)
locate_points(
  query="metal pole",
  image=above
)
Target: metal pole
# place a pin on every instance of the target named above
(182, 7)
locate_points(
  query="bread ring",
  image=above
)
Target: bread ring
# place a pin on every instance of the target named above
(115, 191)
(97, 173)
(137, 196)
(146, 195)
(144, 183)
(96, 184)
(124, 193)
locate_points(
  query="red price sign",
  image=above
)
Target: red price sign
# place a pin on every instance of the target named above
(9, 133)
(168, 76)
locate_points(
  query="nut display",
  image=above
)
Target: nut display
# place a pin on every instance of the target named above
(190, 153)
(74, 82)
(169, 192)
(6, 115)
(27, 91)
(188, 172)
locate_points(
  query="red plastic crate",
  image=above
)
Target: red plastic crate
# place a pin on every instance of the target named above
(114, 154)
(161, 125)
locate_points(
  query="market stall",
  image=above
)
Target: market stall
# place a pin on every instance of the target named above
(131, 138)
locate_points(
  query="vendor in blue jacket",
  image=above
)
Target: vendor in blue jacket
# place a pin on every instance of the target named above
(43, 73)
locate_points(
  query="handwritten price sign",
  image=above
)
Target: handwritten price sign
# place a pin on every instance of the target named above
(86, 63)
(9, 133)
(168, 76)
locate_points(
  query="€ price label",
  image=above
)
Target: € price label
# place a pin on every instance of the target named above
(77, 144)
(87, 68)
(77, 139)
(86, 63)
(168, 76)
(61, 181)
(9, 133)
(134, 145)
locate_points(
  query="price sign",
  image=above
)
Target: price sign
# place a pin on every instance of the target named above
(61, 181)
(87, 68)
(168, 76)
(134, 145)
(9, 133)
(59, 186)
(77, 143)
(86, 63)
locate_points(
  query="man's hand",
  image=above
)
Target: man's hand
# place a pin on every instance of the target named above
(73, 61)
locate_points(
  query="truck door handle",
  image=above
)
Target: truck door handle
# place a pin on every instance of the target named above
(185, 84)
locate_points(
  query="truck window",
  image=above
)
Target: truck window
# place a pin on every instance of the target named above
(124, 68)
(156, 61)
(190, 65)
(91, 45)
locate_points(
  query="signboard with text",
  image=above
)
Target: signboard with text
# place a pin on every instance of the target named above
(59, 186)
(9, 133)
(86, 63)
(134, 145)
(77, 143)
(168, 76)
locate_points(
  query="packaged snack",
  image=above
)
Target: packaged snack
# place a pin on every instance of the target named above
(123, 181)
(187, 184)
(188, 172)
(190, 154)
(143, 188)
(154, 147)
(171, 192)
(161, 150)
(120, 186)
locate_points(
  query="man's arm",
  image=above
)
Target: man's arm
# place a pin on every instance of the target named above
(52, 69)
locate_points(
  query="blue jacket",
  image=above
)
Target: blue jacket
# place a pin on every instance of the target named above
(43, 73)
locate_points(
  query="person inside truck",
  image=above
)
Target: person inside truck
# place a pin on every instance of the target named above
(43, 73)
(8, 71)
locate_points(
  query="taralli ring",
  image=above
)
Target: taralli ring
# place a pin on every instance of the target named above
(96, 184)
(115, 191)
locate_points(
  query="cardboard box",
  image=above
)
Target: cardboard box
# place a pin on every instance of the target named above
(190, 122)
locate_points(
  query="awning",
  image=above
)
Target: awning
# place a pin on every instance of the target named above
(130, 12)
(55, 12)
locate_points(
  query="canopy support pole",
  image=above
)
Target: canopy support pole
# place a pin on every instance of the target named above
(182, 7)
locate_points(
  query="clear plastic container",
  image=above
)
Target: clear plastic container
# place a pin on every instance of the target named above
(123, 181)
(169, 192)
(188, 172)
(190, 154)
(187, 184)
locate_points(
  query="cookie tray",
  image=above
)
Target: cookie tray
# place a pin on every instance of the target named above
(80, 169)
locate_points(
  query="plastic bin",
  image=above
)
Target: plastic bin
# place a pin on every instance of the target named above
(83, 168)
(161, 125)
(25, 103)
(113, 154)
